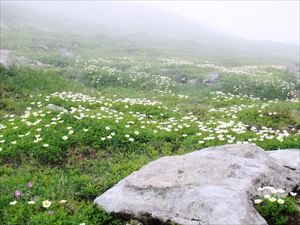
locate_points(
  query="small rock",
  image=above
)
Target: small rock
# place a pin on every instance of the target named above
(8, 59)
(65, 53)
(294, 69)
(128, 47)
(183, 79)
(194, 81)
(4, 26)
(56, 108)
(40, 47)
(211, 77)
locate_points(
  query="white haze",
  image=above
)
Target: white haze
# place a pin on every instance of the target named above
(276, 21)
(212, 29)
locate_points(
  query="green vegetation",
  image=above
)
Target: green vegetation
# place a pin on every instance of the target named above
(117, 113)
(268, 84)
(278, 214)
(275, 209)
(103, 137)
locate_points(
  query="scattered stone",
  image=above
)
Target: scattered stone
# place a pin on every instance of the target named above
(128, 47)
(211, 186)
(40, 47)
(164, 71)
(7, 59)
(56, 108)
(212, 77)
(194, 81)
(75, 45)
(4, 26)
(184, 79)
(294, 69)
(65, 53)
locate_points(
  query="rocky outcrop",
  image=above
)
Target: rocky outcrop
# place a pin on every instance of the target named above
(8, 59)
(211, 186)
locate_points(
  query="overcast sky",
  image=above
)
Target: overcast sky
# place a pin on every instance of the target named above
(254, 20)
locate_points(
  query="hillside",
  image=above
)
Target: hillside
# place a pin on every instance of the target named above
(82, 108)
(170, 35)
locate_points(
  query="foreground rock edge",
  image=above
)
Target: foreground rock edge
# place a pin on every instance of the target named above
(211, 186)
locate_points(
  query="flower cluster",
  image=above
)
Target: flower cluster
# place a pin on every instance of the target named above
(272, 194)
(22, 198)
(27, 198)
(127, 73)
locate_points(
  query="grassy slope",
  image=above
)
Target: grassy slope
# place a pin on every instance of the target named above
(83, 167)
(80, 174)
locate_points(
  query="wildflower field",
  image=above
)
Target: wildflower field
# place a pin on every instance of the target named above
(73, 127)
(55, 161)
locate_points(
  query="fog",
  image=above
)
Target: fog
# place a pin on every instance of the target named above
(236, 27)
(255, 20)
(276, 21)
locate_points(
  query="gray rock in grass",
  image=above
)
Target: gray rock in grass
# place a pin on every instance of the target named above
(211, 186)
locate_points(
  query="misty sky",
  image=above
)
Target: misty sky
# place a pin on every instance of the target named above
(276, 21)
(255, 20)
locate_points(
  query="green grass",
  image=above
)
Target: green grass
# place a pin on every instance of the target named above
(120, 121)
(84, 166)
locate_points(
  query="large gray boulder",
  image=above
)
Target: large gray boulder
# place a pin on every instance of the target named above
(211, 186)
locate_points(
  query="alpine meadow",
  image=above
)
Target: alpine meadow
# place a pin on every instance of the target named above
(129, 113)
